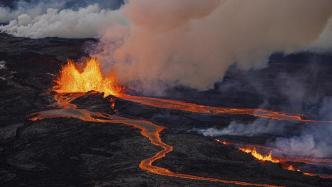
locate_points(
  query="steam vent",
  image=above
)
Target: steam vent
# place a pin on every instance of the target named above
(121, 93)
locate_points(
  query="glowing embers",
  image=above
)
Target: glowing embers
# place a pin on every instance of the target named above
(90, 78)
(259, 156)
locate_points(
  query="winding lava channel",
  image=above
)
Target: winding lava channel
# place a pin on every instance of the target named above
(72, 80)
(147, 129)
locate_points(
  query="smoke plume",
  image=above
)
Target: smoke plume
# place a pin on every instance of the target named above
(188, 42)
(193, 42)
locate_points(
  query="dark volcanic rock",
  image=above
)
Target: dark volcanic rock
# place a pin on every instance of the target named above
(72, 153)
(28, 70)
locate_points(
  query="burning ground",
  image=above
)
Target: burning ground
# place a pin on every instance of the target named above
(44, 142)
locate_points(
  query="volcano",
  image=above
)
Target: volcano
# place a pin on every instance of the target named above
(64, 126)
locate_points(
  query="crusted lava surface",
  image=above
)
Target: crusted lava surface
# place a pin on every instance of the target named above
(70, 152)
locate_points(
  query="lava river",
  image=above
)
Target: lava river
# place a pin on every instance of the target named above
(148, 129)
(196, 108)
(73, 80)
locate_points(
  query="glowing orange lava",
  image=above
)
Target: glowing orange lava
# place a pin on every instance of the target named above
(72, 80)
(148, 129)
(258, 155)
(291, 168)
(90, 78)
(283, 160)
(203, 109)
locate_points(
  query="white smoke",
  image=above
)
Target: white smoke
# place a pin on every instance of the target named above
(308, 145)
(38, 7)
(32, 9)
(258, 127)
(2, 64)
(86, 22)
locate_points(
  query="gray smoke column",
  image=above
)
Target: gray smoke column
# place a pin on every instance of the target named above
(193, 42)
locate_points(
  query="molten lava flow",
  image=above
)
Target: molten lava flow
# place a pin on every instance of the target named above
(148, 130)
(71, 80)
(196, 108)
(258, 155)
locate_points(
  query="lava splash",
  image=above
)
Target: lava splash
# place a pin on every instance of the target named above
(90, 78)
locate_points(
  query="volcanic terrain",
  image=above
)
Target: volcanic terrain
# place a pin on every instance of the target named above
(124, 140)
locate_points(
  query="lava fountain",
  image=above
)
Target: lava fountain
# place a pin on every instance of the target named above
(72, 80)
